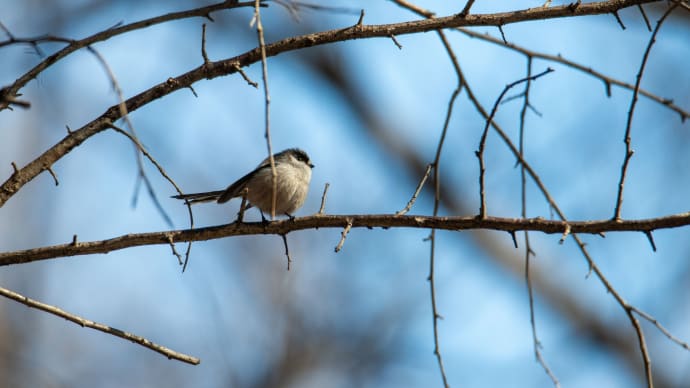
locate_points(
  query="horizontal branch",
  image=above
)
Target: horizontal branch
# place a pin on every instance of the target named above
(286, 226)
(229, 66)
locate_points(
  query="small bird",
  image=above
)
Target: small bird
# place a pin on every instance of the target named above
(293, 170)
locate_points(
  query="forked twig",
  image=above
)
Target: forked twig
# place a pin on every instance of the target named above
(482, 141)
(633, 102)
(165, 175)
(124, 114)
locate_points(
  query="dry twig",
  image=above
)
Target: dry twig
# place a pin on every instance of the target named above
(83, 322)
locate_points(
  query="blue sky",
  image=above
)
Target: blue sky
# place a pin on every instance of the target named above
(234, 306)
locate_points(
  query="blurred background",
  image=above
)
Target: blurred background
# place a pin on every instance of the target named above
(370, 115)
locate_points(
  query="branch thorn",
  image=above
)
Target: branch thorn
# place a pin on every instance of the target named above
(648, 233)
(361, 19)
(512, 235)
(52, 173)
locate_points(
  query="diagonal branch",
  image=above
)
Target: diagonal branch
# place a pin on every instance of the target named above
(229, 66)
(83, 322)
(76, 45)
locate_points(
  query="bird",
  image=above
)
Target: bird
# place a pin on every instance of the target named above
(293, 175)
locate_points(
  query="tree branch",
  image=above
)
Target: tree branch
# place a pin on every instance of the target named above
(83, 322)
(229, 66)
(75, 45)
(337, 221)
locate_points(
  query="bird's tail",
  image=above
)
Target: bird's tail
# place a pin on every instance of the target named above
(200, 197)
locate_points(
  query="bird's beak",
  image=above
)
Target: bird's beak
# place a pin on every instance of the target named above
(311, 165)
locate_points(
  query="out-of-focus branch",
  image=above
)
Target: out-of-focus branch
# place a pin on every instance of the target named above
(230, 66)
(75, 45)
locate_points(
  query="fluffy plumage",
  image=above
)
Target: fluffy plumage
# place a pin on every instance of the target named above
(293, 169)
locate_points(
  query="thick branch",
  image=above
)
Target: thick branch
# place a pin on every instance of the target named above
(230, 66)
(339, 221)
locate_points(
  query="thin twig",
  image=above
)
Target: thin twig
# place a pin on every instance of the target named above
(343, 236)
(221, 68)
(437, 201)
(581, 245)
(83, 322)
(124, 114)
(420, 185)
(650, 237)
(618, 19)
(536, 344)
(6, 30)
(608, 81)
(52, 173)
(633, 102)
(644, 16)
(245, 76)
(165, 175)
(322, 208)
(203, 44)
(514, 238)
(267, 99)
(661, 328)
(174, 251)
(465, 11)
(361, 19)
(287, 250)
(293, 7)
(583, 250)
(503, 35)
(243, 205)
(75, 45)
(395, 41)
(482, 142)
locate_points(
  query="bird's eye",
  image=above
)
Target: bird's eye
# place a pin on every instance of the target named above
(302, 157)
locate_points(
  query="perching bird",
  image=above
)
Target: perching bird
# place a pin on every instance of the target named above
(293, 169)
